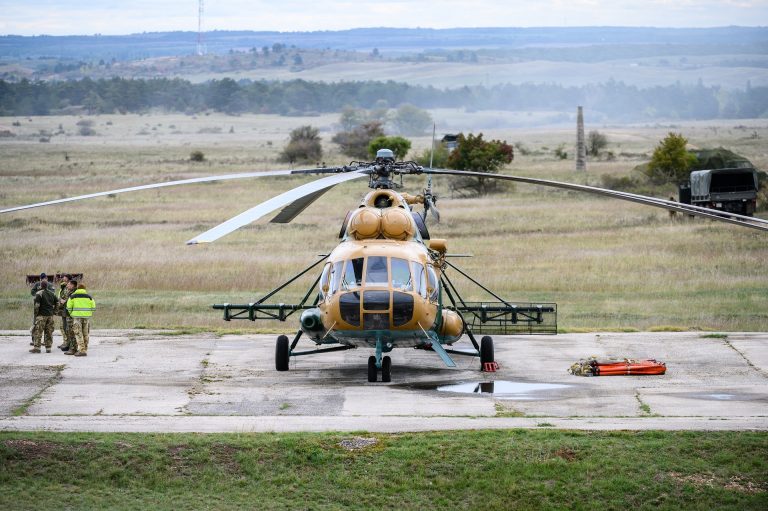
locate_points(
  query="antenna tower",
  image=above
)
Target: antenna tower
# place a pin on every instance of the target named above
(200, 35)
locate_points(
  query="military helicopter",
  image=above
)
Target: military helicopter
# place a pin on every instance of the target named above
(387, 285)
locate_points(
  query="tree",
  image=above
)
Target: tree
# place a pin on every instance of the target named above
(304, 146)
(596, 142)
(411, 120)
(354, 143)
(671, 162)
(439, 158)
(472, 153)
(399, 145)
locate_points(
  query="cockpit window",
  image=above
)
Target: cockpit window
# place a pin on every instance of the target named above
(419, 278)
(336, 276)
(401, 275)
(353, 274)
(433, 283)
(376, 273)
(324, 279)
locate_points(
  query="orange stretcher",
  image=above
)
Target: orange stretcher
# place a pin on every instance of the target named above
(627, 366)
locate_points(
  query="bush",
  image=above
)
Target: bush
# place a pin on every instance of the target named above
(355, 143)
(197, 156)
(475, 154)
(399, 145)
(596, 142)
(303, 146)
(411, 120)
(671, 162)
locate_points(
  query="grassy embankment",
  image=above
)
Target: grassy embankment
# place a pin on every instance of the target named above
(609, 265)
(513, 469)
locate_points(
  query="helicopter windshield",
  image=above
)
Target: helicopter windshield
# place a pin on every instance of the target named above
(336, 276)
(401, 275)
(376, 273)
(419, 278)
(353, 273)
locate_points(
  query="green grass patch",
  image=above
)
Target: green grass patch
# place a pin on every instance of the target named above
(714, 336)
(510, 469)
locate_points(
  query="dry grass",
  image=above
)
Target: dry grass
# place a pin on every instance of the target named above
(608, 264)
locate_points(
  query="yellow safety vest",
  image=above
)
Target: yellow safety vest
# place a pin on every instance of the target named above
(80, 304)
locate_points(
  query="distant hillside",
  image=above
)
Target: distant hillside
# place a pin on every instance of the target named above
(392, 40)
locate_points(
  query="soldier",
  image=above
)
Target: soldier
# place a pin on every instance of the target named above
(35, 288)
(65, 289)
(45, 303)
(80, 306)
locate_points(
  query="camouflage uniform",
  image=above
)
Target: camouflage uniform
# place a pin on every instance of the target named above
(35, 288)
(45, 304)
(68, 336)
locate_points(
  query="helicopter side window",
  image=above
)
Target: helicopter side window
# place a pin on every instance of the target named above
(420, 278)
(324, 279)
(353, 273)
(433, 283)
(376, 273)
(336, 276)
(401, 275)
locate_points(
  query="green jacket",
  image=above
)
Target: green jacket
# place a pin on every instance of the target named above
(80, 304)
(45, 302)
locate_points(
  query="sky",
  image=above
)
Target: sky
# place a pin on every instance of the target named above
(109, 17)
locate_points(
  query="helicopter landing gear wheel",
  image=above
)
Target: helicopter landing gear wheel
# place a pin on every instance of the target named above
(373, 371)
(486, 351)
(281, 353)
(386, 370)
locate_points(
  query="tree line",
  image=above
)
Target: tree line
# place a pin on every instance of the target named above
(612, 100)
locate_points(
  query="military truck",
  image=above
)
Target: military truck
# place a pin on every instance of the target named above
(733, 190)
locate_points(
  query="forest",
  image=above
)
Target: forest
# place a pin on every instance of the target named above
(613, 101)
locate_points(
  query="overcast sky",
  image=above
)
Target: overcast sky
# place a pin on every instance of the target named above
(57, 17)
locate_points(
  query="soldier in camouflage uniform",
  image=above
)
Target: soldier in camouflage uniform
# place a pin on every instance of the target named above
(45, 304)
(35, 288)
(68, 337)
(80, 306)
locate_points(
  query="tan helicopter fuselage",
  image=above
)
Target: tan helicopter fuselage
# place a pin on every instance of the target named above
(381, 285)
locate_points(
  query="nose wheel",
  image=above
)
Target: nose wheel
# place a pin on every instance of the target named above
(373, 370)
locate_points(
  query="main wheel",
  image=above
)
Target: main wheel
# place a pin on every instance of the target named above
(486, 351)
(281, 353)
(386, 370)
(373, 371)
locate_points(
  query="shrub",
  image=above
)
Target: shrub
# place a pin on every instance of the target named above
(197, 156)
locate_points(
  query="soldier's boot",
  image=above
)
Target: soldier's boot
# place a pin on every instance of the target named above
(35, 350)
(47, 350)
(70, 352)
(81, 354)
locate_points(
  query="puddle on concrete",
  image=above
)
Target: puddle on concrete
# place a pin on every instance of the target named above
(500, 389)
(725, 396)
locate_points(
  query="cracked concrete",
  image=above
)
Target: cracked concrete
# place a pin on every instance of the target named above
(137, 380)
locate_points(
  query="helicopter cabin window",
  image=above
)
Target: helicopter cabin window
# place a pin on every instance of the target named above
(402, 308)
(324, 279)
(401, 275)
(433, 283)
(336, 276)
(420, 278)
(376, 273)
(349, 307)
(353, 273)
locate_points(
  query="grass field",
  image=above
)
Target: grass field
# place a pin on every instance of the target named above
(609, 265)
(514, 469)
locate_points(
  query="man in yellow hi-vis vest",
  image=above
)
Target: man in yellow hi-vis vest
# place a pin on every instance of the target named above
(80, 306)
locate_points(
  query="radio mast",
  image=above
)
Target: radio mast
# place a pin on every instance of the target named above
(200, 35)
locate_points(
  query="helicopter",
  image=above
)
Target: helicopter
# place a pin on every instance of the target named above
(386, 285)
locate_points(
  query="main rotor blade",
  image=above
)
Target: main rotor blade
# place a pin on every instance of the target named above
(732, 218)
(293, 209)
(281, 201)
(207, 179)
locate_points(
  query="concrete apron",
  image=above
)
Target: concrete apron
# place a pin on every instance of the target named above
(149, 381)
